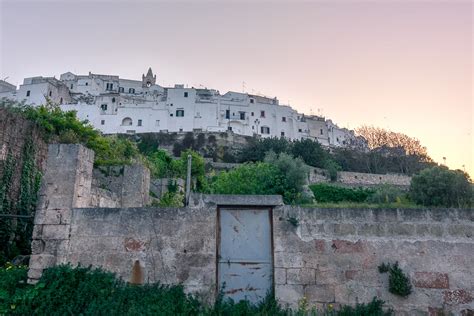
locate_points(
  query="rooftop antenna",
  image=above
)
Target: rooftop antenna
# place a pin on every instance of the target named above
(243, 86)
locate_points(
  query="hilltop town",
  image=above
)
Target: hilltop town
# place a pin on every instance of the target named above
(115, 106)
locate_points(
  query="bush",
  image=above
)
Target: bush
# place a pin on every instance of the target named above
(279, 174)
(439, 186)
(64, 127)
(398, 282)
(386, 194)
(64, 290)
(326, 193)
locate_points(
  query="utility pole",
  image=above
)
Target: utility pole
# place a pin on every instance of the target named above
(188, 180)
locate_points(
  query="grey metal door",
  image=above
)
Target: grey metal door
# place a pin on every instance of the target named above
(245, 262)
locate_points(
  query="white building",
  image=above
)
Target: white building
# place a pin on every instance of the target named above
(114, 105)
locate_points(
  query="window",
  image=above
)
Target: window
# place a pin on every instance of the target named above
(242, 115)
(179, 113)
(265, 130)
(157, 123)
(282, 134)
(227, 114)
(251, 100)
(262, 113)
(102, 122)
(180, 129)
(251, 113)
(229, 128)
(127, 122)
(300, 130)
(171, 114)
(50, 93)
(253, 127)
(61, 101)
(185, 94)
(139, 123)
(121, 89)
(171, 104)
(109, 86)
(283, 119)
(113, 100)
(87, 83)
(28, 93)
(103, 107)
(337, 139)
(131, 90)
(321, 131)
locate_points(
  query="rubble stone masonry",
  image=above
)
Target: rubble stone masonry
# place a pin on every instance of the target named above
(329, 256)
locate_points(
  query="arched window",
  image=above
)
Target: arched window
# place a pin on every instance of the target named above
(127, 122)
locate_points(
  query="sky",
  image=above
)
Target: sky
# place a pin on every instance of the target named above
(402, 65)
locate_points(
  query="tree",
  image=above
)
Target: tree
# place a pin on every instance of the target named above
(311, 152)
(439, 186)
(378, 137)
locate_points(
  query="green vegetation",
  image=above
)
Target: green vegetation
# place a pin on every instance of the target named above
(15, 232)
(64, 290)
(398, 282)
(64, 127)
(279, 174)
(439, 186)
(331, 193)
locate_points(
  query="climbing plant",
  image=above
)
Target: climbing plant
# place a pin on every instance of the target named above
(398, 282)
(15, 232)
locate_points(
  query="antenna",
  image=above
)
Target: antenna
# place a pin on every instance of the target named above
(243, 86)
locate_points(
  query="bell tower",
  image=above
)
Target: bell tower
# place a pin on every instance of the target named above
(149, 79)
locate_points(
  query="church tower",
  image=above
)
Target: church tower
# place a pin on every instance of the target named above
(149, 79)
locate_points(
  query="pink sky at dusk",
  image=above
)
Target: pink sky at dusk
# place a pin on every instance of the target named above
(402, 65)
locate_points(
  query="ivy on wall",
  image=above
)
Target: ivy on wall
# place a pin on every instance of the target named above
(15, 232)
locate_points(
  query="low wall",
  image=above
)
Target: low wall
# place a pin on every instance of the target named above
(318, 175)
(329, 256)
(333, 254)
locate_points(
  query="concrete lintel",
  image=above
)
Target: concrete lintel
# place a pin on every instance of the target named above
(242, 200)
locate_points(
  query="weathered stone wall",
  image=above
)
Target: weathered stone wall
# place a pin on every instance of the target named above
(318, 175)
(329, 256)
(333, 254)
(116, 186)
(15, 131)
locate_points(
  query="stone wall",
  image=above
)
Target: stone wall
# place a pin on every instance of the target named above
(329, 256)
(347, 178)
(333, 254)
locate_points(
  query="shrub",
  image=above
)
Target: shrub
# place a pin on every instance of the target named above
(311, 152)
(439, 186)
(326, 193)
(398, 282)
(64, 290)
(64, 127)
(385, 194)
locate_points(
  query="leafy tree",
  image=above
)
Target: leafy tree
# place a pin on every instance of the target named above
(439, 186)
(256, 149)
(311, 152)
(295, 173)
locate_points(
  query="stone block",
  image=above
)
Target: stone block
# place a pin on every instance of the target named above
(304, 276)
(412, 215)
(42, 261)
(332, 276)
(35, 274)
(51, 217)
(464, 231)
(344, 229)
(37, 246)
(280, 276)
(401, 229)
(320, 293)
(431, 280)
(345, 246)
(288, 260)
(456, 297)
(371, 229)
(320, 245)
(289, 294)
(55, 232)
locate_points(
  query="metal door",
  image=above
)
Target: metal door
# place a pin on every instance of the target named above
(245, 260)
